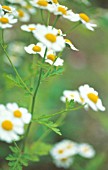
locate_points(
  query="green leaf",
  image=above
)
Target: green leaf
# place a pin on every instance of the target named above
(52, 71)
(51, 125)
(14, 80)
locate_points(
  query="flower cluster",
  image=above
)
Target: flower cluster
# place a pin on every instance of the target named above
(7, 16)
(50, 38)
(23, 8)
(86, 96)
(12, 121)
(57, 9)
(63, 152)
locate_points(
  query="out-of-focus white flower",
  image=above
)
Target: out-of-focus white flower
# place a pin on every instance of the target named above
(72, 95)
(42, 4)
(91, 97)
(86, 150)
(19, 113)
(63, 163)
(28, 28)
(49, 37)
(23, 16)
(70, 44)
(10, 128)
(21, 2)
(16, 52)
(6, 20)
(30, 8)
(38, 48)
(64, 149)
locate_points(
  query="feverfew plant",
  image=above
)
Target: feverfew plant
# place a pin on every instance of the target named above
(49, 43)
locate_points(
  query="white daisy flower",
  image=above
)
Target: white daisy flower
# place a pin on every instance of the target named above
(19, 113)
(84, 19)
(21, 2)
(23, 16)
(7, 21)
(28, 28)
(64, 149)
(30, 8)
(61, 10)
(72, 95)
(63, 163)
(38, 48)
(43, 4)
(91, 97)
(52, 59)
(2, 107)
(86, 150)
(9, 9)
(49, 37)
(10, 128)
(70, 44)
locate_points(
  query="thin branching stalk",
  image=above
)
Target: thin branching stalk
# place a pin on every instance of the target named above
(72, 28)
(55, 21)
(33, 101)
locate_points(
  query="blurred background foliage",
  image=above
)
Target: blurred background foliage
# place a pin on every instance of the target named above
(89, 65)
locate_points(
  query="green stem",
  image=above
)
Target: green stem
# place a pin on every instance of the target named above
(55, 21)
(48, 19)
(2, 36)
(33, 101)
(15, 70)
(72, 28)
(42, 16)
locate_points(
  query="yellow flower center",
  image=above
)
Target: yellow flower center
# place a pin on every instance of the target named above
(17, 114)
(51, 37)
(31, 28)
(55, 1)
(7, 125)
(84, 17)
(51, 57)
(62, 10)
(70, 146)
(86, 149)
(64, 159)
(93, 97)
(6, 8)
(60, 151)
(36, 48)
(21, 13)
(72, 95)
(42, 3)
(68, 41)
(4, 20)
